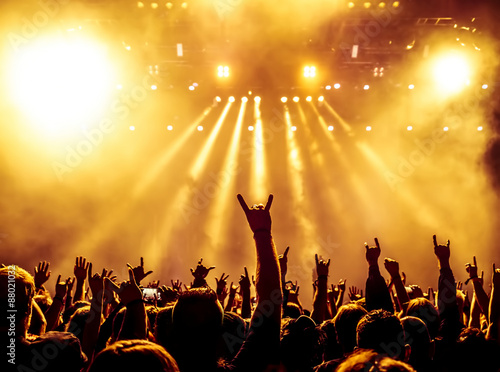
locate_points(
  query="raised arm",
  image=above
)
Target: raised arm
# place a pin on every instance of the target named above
(53, 313)
(481, 297)
(80, 271)
(246, 307)
(91, 331)
(392, 267)
(494, 311)
(200, 274)
(377, 294)
(320, 297)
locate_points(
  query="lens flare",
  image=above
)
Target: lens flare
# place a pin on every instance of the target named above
(451, 73)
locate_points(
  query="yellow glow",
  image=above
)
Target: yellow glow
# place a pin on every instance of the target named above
(381, 5)
(169, 5)
(367, 5)
(184, 5)
(244, 99)
(284, 99)
(257, 99)
(411, 86)
(223, 71)
(451, 73)
(409, 128)
(200, 128)
(132, 128)
(331, 128)
(308, 98)
(154, 5)
(231, 99)
(169, 127)
(337, 86)
(368, 128)
(61, 83)
(350, 5)
(395, 4)
(295, 99)
(140, 4)
(321, 98)
(309, 71)
(258, 179)
(366, 87)
(480, 128)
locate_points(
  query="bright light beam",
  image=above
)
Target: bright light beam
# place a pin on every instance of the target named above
(347, 128)
(451, 73)
(199, 165)
(259, 177)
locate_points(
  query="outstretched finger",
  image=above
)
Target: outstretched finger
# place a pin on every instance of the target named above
(211, 268)
(376, 243)
(131, 276)
(112, 285)
(316, 258)
(434, 239)
(142, 261)
(148, 273)
(366, 246)
(269, 202)
(59, 279)
(200, 261)
(243, 204)
(448, 243)
(474, 260)
(328, 263)
(286, 252)
(89, 272)
(246, 272)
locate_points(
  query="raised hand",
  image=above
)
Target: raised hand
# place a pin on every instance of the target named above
(42, 273)
(392, 267)
(128, 291)
(333, 293)
(355, 293)
(221, 288)
(416, 291)
(61, 288)
(177, 285)
(258, 216)
(321, 266)
(283, 261)
(139, 273)
(244, 281)
(167, 294)
(341, 286)
(96, 282)
(81, 268)
(201, 271)
(442, 252)
(471, 269)
(233, 289)
(372, 253)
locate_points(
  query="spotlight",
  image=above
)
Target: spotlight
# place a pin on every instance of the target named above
(169, 5)
(244, 99)
(368, 128)
(366, 87)
(446, 129)
(328, 87)
(223, 71)
(284, 99)
(191, 87)
(350, 5)
(310, 71)
(184, 5)
(200, 128)
(336, 86)
(131, 128)
(257, 99)
(381, 5)
(321, 98)
(293, 128)
(308, 98)
(395, 4)
(411, 86)
(451, 73)
(140, 4)
(231, 99)
(409, 128)
(119, 86)
(250, 128)
(367, 5)
(480, 128)
(169, 127)
(485, 86)
(295, 99)
(154, 5)
(218, 99)
(154, 87)
(330, 128)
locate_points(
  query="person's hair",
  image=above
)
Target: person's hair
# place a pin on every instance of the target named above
(476, 353)
(71, 310)
(77, 322)
(134, 355)
(43, 300)
(417, 336)
(38, 323)
(346, 321)
(427, 312)
(291, 310)
(16, 286)
(368, 360)
(234, 332)
(302, 344)
(163, 326)
(333, 350)
(381, 331)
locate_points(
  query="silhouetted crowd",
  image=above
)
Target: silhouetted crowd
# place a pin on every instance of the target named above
(139, 326)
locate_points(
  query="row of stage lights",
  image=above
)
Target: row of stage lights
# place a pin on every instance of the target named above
(371, 4)
(155, 5)
(293, 128)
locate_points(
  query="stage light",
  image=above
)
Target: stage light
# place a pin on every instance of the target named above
(309, 72)
(223, 71)
(169, 5)
(480, 128)
(446, 129)
(308, 98)
(218, 99)
(411, 86)
(251, 128)
(257, 99)
(381, 5)
(295, 99)
(409, 128)
(451, 73)
(61, 83)
(350, 5)
(366, 87)
(154, 87)
(395, 4)
(170, 127)
(119, 86)
(184, 5)
(336, 86)
(191, 87)
(330, 128)
(154, 5)
(284, 99)
(293, 128)
(368, 128)
(231, 99)
(200, 128)
(328, 87)
(132, 128)
(367, 5)
(244, 99)
(140, 4)
(321, 98)
(485, 86)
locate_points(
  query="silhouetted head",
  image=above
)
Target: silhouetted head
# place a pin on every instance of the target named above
(368, 360)
(427, 312)
(134, 356)
(417, 336)
(346, 321)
